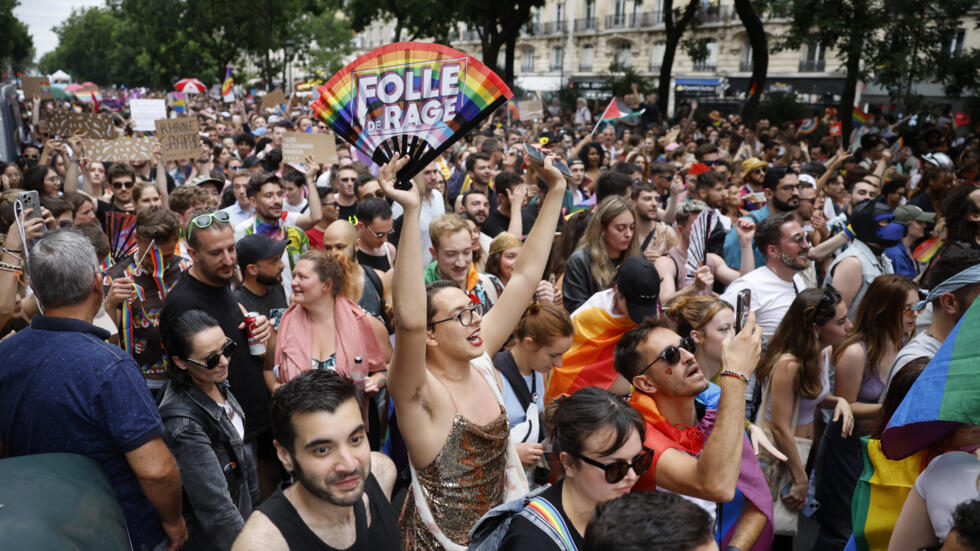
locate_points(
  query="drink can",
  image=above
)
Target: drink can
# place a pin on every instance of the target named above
(255, 346)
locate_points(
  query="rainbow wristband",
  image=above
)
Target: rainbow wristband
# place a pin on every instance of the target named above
(849, 232)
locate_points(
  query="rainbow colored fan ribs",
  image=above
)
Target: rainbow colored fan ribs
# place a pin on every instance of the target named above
(412, 98)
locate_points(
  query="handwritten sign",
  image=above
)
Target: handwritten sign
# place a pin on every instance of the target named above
(145, 113)
(530, 109)
(120, 149)
(179, 138)
(36, 86)
(273, 100)
(90, 125)
(297, 145)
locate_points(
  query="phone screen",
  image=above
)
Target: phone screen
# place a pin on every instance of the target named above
(742, 307)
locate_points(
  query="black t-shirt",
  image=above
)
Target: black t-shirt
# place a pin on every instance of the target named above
(348, 213)
(245, 371)
(523, 534)
(497, 223)
(272, 305)
(370, 261)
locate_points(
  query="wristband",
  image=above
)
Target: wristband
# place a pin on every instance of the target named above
(849, 232)
(734, 375)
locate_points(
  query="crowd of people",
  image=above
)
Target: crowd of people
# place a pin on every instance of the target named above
(264, 355)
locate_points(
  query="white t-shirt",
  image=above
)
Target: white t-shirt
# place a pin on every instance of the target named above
(299, 209)
(948, 481)
(771, 296)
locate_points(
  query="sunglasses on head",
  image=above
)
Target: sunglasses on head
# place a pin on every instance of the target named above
(211, 362)
(205, 220)
(618, 469)
(119, 184)
(672, 354)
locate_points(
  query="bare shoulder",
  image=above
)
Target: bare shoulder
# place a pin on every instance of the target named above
(384, 471)
(853, 355)
(259, 534)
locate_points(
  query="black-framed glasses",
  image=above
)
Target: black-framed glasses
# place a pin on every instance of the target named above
(672, 354)
(119, 184)
(211, 362)
(205, 220)
(618, 469)
(464, 317)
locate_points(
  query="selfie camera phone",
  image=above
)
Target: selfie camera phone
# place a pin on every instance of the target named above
(742, 306)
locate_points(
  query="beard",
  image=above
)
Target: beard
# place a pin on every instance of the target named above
(784, 206)
(794, 263)
(321, 489)
(266, 279)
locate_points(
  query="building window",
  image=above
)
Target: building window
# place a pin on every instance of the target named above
(590, 9)
(624, 55)
(813, 58)
(746, 64)
(956, 44)
(619, 12)
(657, 57)
(586, 55)
(557, 56)
(560, 11)
(710, 63)
(527, 60)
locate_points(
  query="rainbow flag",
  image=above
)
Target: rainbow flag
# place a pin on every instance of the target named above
(880, 492)
(859, 117)
(807, 126)
(927, 249)
(752, 90)
(228, 83)
(946, 394)
(512, 109)
(898, 145)
(589, 362)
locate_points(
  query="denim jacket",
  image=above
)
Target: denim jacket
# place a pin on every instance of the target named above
(219, 486)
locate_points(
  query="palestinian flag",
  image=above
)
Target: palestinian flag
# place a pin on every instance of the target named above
(807, 126)
(946, 394)
(615, 111)
(589, 362)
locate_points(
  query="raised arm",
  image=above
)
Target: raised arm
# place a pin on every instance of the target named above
(310, 219)
(161, 177)
(503, 317)
(71, 161)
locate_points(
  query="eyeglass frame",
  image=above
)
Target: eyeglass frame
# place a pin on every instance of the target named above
(687, 343)
(211, 217)
(647, 453)
(128, 184)
(216, 357)
(476, 308)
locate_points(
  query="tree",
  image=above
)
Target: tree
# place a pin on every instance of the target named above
(676, 22)
(413, 18)
(760, 58)
(16, 44)
(498, 25)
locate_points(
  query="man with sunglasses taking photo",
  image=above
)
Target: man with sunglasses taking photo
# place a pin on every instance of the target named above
(700, 453)
(206, 286)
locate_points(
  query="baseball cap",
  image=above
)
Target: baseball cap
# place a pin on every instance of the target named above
(906, 213)
(639, 283)
(250, 161)
(252, 248)
(202, 180)
(752, 163)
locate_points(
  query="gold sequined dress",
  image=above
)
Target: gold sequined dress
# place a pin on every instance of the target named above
(464, 481)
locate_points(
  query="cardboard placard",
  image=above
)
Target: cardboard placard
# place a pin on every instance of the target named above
(91, 125)
(273, 99)
(530, 109)
(145, 113)
(36, 86)
(179, 137)
(121, 150)
(297, 145)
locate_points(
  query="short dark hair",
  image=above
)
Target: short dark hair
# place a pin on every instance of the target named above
(770, 230)
(177, 335)
(611, 182)
(245, 137)
(471, 192)
(626, 168)
(640, 187)
(56, 204)
(472, 159)
(363, 179)
(296, 177)
(705, 149)
(773, 175)
(506, 180)
(639, 521)
(966, 524)
(158, 224)
(707, 180)
(258, 180)
(627, 359)
(957, 209)
(311, 391)
(370, 209)
(896, 183)
(660, 167)
(119, 169)
(572, 419)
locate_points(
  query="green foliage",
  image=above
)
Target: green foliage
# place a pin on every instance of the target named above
(696, 48)
(16, 44)
(780, 107)
(414, 19)
(620, 81)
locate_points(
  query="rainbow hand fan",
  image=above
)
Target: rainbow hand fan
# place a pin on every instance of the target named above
(412, 98)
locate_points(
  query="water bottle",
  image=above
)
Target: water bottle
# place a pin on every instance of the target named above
(358, 374)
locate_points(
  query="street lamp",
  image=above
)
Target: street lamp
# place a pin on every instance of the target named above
(290, 49)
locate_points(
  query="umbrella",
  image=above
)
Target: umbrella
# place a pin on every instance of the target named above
(945, 395)
(190, 86)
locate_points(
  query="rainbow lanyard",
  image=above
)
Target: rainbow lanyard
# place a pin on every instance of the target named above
(127, 317)
(159, 268)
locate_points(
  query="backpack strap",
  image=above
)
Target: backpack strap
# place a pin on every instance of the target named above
(504, 362)
(545, 516)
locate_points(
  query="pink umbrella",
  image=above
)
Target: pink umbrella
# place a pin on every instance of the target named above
(190, 86)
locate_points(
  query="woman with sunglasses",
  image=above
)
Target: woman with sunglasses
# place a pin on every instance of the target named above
(597, 439)
(795, 373)
(205, 428)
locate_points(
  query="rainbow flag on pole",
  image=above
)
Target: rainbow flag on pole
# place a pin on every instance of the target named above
(228, 83)
(859, 117)
(807, 126)
(945, 396)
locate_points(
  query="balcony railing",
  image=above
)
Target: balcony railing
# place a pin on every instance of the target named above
(585, 67)
(553, 27)
(651, 19)
(622, 21)
(813, 65)
(745, 66)
(705, 68)
(587, 24)
(531, 29)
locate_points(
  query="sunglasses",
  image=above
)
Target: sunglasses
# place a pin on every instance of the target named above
(672, 354)
(382, 234)
(119, 185)
(204, 221)
(211, 362)
(618, 469)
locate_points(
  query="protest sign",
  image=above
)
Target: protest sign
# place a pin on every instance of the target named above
(178, 101)
(273, 100)
(530, 109)
(179, 138)
(145, 113)
(36, 86)
(297, 145)
(121, 149)
(90, 125)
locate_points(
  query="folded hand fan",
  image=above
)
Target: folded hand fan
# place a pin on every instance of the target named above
(697, 249)
(412, 98)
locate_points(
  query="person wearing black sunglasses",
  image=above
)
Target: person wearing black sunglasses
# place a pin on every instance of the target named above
(699, 452)
(205, 430)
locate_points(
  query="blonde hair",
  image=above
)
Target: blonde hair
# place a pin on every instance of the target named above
(593, 242)
(693, 313)
(446, 225)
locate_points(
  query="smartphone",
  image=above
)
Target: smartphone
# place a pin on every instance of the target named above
(743, 304)
(534, 154)
(29, 200)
